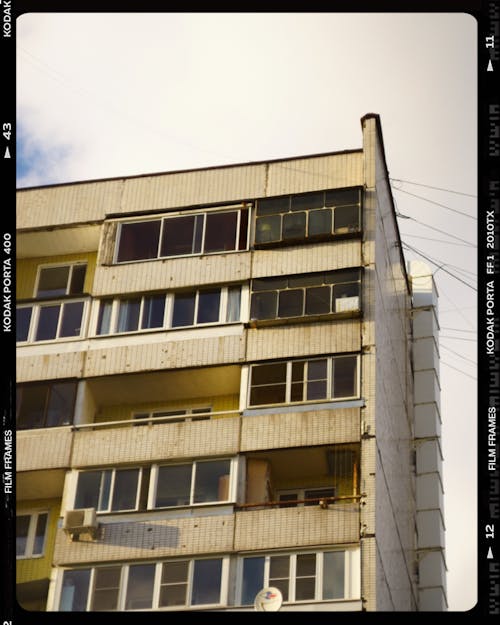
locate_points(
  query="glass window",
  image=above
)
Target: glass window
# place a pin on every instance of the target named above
(305, 577)
(208, 306)
(291, 303)
(174, 486)
(153, 312)
(181, 234)
(48, 318)
(22, 530)
(343, 197)
(294, 226)
(207, 577)
(274, 205)
(174, 583)
(74, 591)
(140, 587)
(184, 304)
(106, 588)
(125, 489)
(72, 314)
(220, 233)
(212, 481)
(345, 371)
(320, 222)
(279, 574)
(317, 379)
(87, 490)
(269, 284)
(268, 384)
(128, 315)
(268, 229)
(53, 281)
(104, 320)
(318, 300)
(243, 243)
(60, 404)
(138, 241)
(77, 281)
(297, 392)
(253, 579)
(346, 219)
(233, 303)
(45, 404)
(346, 297)
(264, 305)
(333, 575)
(23, 320)
(305, 201)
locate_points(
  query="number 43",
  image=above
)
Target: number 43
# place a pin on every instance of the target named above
(7, 128)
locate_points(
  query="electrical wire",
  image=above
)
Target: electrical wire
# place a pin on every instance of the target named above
(457, 338)
(458, 354)
(459, 370)
(398, 214)
(409, 247)
(414, 236)
(420, 197)
(419, 184)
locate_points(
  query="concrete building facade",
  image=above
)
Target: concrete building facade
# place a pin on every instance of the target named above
(227, 380)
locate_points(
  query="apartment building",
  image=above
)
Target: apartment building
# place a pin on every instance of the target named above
(227, 380)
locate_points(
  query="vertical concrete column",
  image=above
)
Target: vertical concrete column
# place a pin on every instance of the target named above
(429, 482)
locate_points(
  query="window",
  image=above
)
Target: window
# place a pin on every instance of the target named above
(31, 530)
(306, 294)
(112, 490)
(174, 416)
(48, 322)
(314, 495)
(145, 586)
(304, 380)
(302, 576)
(60, 280)
(307, 216)
(45, 404)
(206, 306)
(206, 481)
(198, 233)
(173, 310)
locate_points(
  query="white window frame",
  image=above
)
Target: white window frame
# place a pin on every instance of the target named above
(71, 266)
(351, 574)
(192, 413)
(233, 468)
(30, 539)
(288, 380)
(124, 577)
(169, 311)
(35, 317)
(300, 492)
(164, 217)
(113, 470)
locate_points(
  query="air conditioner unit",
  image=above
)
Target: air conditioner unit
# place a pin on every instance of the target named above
(81, 521)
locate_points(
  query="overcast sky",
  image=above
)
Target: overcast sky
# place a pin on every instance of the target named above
(115, 95)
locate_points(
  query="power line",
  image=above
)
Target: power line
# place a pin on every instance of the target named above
(414, 236)
(436, 229)
(458, 354)
(459, 370)
(419, 184)
(439, 266)
(420, 197)
(457, 338)
(459, 330)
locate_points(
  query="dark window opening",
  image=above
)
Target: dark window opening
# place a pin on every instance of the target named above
(45, 405)
(220, 232)
(138, 241)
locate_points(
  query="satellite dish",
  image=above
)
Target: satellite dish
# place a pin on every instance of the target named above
(268, 600)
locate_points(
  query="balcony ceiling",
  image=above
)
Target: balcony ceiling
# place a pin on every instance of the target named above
(58, 241)
(165, 385)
